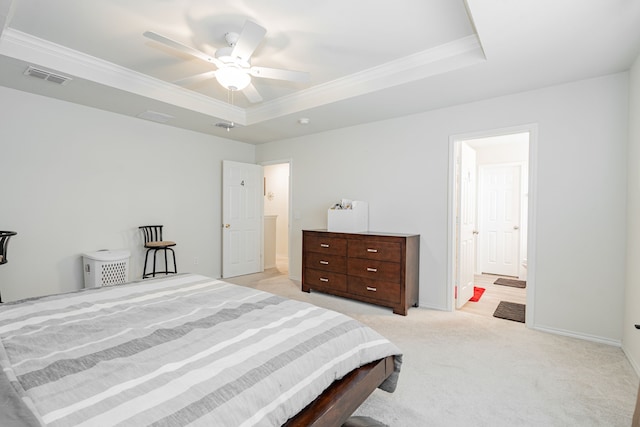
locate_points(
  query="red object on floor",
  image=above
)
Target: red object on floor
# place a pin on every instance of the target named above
(477, 293)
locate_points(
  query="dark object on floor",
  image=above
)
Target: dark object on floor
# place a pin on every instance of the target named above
(4, 243)
(510, 311)
(359, 421)
(511, 282)
(477, 293)
(153, 242)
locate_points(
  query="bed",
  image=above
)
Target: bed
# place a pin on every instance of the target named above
(185, 350)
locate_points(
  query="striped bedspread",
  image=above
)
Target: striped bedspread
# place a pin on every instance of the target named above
(182, 350)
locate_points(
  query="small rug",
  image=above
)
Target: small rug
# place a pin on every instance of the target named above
(510, 311)
(511, 282)
(477, 293)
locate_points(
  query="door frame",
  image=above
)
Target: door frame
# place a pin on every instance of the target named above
(454, 142)
(289, 161)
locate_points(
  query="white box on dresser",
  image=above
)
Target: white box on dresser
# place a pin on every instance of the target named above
(354, 220)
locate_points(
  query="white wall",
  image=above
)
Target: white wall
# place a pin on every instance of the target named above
(400, 167)
(77, 179)
(631, 337)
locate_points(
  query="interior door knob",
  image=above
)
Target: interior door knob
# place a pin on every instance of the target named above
(227, 225)
(516, 227)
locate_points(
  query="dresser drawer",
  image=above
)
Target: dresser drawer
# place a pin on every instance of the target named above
(317, 279)
(372, 269)
(384, 291)
(325, 245)
(374, 249)
(325, 262)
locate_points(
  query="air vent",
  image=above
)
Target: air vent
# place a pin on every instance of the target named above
(154, 116)
(47, 75)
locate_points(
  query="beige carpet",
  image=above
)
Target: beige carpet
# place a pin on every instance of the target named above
(462, 369)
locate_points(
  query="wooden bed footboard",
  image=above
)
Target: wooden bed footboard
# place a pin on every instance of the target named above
(333, 407)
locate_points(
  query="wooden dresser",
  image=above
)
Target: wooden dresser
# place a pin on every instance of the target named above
(378, 268)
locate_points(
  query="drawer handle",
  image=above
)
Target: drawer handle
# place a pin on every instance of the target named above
(369, 288)
(375, 251)
(324, 245)
(373, 270)
(324, 262)
(324, 279)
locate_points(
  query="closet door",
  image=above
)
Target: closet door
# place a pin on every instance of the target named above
(500, 219)
(242, 223)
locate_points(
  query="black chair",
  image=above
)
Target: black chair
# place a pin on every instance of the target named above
(153, 242)
(4, 243)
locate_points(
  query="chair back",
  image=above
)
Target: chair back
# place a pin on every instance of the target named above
(4, 243)
(152, 233)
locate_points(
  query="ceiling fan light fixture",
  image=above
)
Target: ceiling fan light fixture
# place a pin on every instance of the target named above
(232, 78)
(234, 71)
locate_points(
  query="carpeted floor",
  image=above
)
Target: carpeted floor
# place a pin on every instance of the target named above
(462, 369)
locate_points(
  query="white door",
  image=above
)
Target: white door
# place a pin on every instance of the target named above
(500, 219)
(467, 224)
(241, 218)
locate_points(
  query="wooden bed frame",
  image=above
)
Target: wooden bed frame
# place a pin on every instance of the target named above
(336, 404)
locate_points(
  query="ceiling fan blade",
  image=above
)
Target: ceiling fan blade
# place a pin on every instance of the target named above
(181, 47)
(188, 81)
(274, 73)
(252, 94)
(250, 37)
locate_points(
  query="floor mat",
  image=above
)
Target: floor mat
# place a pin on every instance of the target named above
(511, 282)
(510, 311)
(477, 293)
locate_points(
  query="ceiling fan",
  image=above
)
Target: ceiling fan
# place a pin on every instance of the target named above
(233, 62)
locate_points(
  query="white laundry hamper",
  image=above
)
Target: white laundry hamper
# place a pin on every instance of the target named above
(103, 268)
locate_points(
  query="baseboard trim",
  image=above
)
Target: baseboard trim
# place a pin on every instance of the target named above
(587, 337)
(633, 363)
(426, 306)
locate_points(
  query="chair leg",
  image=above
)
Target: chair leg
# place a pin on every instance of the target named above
(155, 252)
(175, 267)
(166, 263)
(144, 270)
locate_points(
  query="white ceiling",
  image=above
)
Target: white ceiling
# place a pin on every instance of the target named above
(368, 61)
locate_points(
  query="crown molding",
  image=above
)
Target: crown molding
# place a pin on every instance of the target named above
(456, 54)
(440, 59)
(6, 11)
(34, 50)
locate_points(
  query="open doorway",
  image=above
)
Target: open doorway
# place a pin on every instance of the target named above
(276, 216)
(490, 221)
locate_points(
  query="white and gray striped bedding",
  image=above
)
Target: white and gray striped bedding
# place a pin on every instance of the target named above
(184, 350)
